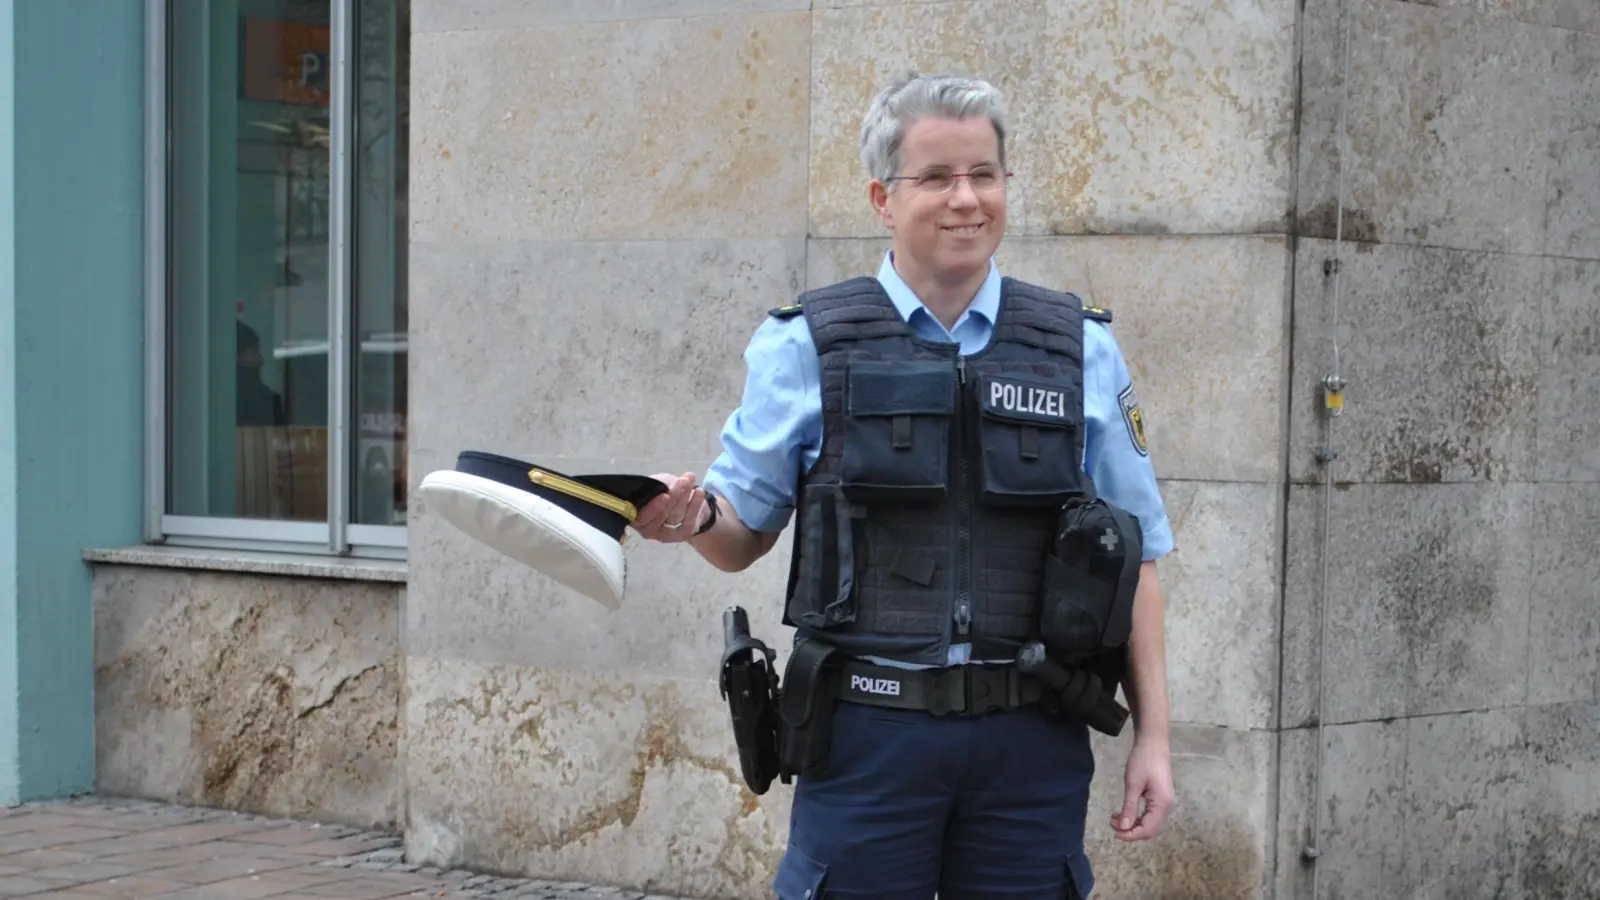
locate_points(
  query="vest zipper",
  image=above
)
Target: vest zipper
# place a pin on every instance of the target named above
(963, 610)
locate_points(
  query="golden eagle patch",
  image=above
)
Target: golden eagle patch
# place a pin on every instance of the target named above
(1133, 417)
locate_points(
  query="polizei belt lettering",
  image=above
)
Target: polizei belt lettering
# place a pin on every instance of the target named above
(962, 690)
(888, 687)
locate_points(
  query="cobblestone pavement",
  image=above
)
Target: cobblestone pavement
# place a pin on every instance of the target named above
(95, 848)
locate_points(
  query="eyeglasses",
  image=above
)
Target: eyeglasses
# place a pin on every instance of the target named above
(940, 181)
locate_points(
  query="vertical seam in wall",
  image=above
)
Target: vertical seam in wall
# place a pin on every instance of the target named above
(1275, 815)
(1547, 266)
(402, 794)
(1550, 174)
(811, 141)
(1410, 724)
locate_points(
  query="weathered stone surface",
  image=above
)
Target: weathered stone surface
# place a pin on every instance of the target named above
(644, 130)
(1113, 129)
(270, 695)
(1201, 322)
(624, 779)
(463, 15)
(1581, 15)
(1569, 369)
(1450, 120)
(467, 601)
(1361, 834)
(1494, 803)
(1555, 822)
(1219, 843)
(1440, 353)
(1221, 659)
(588, 349)
(1574, 229)
(1462, 774)
(1428, 592)
(1564, 597)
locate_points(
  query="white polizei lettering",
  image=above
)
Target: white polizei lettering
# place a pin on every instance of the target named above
(1038, 401)
(886, 686)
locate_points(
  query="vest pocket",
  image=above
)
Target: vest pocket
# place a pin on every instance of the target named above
(1028, 440)
(897, 429)
(825, 586)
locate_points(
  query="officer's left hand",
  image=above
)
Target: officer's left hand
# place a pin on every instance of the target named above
(1148, 779)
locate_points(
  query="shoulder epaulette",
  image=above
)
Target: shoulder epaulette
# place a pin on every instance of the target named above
(1097, 314)
(785, 312)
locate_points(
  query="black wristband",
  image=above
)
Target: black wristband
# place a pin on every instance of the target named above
(711, 504)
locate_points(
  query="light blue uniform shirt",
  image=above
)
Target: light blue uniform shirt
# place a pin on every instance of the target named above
(776, 432)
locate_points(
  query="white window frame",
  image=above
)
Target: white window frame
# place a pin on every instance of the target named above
(338, 536)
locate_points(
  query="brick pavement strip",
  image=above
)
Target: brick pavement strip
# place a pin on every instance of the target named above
(99, 848)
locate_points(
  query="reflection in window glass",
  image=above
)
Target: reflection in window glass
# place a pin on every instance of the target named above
(378, 468)
(248, 315)
(249, 217)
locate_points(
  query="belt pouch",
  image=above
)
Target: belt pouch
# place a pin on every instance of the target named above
(806, 710)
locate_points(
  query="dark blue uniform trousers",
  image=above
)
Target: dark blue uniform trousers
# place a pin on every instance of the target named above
(913, 804)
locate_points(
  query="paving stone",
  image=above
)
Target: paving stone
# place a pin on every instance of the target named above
(97, 848)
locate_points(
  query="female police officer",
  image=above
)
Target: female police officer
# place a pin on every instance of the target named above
(926, 423)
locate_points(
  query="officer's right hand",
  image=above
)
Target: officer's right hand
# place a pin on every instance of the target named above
(672, 517)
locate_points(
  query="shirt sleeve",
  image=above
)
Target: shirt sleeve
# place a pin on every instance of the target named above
(1115, 453)
(775, 434)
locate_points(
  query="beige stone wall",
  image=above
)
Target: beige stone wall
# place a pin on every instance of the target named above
(267, 694)
(609, 196)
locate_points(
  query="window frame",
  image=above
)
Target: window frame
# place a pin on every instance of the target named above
(337, 536)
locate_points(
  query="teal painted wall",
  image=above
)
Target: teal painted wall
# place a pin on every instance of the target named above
(73, 309)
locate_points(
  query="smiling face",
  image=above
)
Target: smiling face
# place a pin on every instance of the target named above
(945, 237)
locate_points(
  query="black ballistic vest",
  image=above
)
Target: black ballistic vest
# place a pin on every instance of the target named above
(940, 479)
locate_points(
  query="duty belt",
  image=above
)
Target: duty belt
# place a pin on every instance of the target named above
(969, 690)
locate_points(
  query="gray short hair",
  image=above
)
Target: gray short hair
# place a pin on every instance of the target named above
(913, 96)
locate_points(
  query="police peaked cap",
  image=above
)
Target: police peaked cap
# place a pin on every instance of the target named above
(568, 528)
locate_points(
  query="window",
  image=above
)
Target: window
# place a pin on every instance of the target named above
(277, 333)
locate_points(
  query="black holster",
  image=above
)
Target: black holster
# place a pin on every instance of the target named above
(782, 729)
(749, 684)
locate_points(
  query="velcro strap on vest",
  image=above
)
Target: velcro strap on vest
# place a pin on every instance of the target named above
(902, 432)
(1028, 442)
(971, 690)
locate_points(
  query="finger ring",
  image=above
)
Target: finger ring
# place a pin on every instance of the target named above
(671, 527)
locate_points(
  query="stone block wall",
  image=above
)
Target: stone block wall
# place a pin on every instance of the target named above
(267, 694)
(1459, 701)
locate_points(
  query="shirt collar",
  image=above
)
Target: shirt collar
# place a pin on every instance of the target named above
(986, 305)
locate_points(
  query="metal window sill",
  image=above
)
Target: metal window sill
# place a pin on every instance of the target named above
(292, 565)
